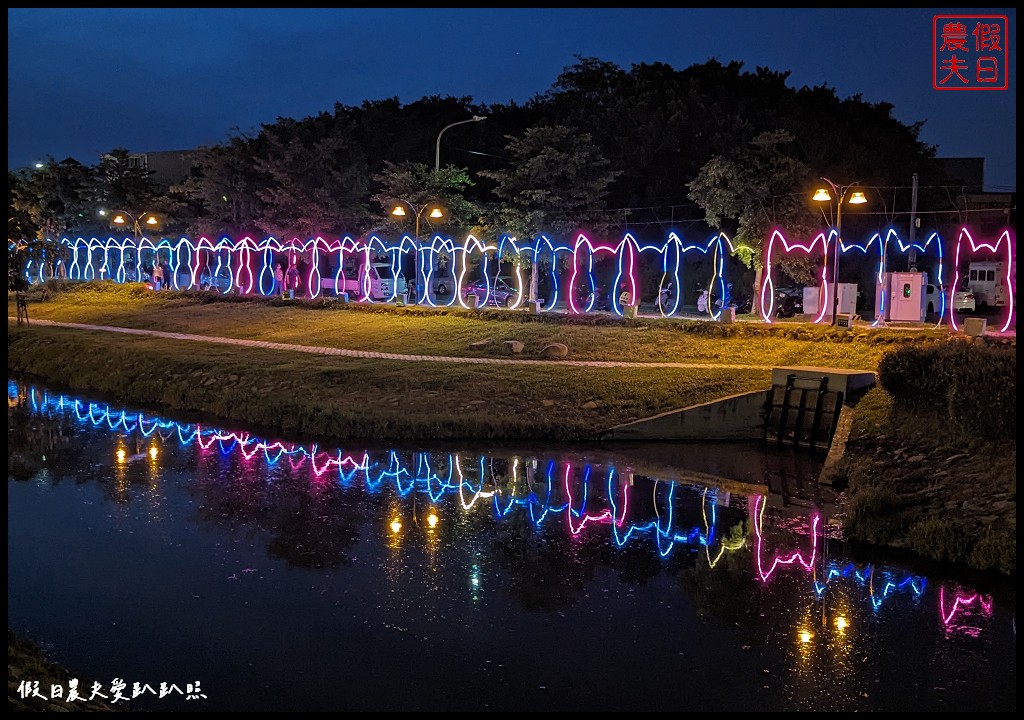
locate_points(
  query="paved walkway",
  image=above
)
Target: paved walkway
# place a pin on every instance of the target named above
(341, 352)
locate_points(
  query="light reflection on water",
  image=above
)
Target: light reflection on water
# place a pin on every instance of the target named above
(294, 576)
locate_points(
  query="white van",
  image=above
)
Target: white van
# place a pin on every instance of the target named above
(987, 281)
(381, 279)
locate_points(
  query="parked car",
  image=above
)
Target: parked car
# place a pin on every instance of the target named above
(380, 276)
(789, 301)
(963, 300)
(933, 297)
(501, 293)
(442, 284)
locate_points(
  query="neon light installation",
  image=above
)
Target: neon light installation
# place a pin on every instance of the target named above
(820, 243)
(1005, 242)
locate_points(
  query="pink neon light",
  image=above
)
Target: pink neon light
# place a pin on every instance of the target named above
(768, 287)
(796, 556)
(961, 601)
(602, 517)
(244, 260)
(582, 239)
(606, 515)
(634, 296)
(1004, 239)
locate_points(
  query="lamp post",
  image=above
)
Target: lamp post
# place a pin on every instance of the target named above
(122, 217)
(856, 198)
(437, 153)
(437, 213)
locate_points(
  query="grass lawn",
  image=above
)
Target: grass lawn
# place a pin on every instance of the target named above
(345, 398)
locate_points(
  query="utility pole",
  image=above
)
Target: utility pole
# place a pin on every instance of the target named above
(912, 255)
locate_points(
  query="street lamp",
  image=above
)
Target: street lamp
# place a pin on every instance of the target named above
(436, 213)
(856, 198)
(122, 218)
(437, 154)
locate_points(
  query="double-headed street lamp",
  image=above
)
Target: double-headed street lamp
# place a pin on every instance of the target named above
(437, 154)
(856, 198)
(122, 218)
(436, 213)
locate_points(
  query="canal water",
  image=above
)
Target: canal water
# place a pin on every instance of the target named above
(190, 566)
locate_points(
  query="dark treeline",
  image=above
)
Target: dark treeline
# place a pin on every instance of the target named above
(607, 150)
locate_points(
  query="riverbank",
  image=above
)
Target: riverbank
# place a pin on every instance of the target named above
(912, 481)
(483, 390)
(26, 663)
(342, 398)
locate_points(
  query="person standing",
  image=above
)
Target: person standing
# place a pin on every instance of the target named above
(279, 281)
(158, 274)
(293, 280)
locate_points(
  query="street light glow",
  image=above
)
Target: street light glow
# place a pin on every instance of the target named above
(855, 198)
(436, 213)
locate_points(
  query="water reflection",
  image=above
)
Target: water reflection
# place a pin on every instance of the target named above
(451, 530)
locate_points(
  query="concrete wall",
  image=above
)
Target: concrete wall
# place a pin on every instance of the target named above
(737, 417)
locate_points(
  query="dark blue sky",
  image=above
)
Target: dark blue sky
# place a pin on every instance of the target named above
(83, 81)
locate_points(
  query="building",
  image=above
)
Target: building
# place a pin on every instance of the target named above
(166, 167)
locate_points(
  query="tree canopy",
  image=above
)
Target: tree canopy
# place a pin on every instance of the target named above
(646, 149)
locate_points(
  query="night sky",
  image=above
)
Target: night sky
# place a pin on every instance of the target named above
(83, 81)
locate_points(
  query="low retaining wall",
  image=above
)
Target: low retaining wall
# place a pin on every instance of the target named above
(737, 417)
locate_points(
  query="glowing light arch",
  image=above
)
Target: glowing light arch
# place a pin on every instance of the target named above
(341, 281)
(903, 248)
(516, 254)
(717, 253)
(439, 246)
(1003, 241)
(553, 249)
(864, 248)
(768, 286)
(794, 557)
(592, 249)
(484, 248)
(671, 249)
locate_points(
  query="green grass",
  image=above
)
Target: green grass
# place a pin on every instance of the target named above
(451, 332)
(344, 398)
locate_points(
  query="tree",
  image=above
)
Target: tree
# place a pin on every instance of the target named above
(23, 243)
(227, 187)
(60, 197)
(754, 188)
(419, 185)
(555, 183)
(123, 184)
(317, 178)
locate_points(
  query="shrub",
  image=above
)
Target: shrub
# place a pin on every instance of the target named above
(974, 387)
(995, 551)
(938, 539)
(873, 515)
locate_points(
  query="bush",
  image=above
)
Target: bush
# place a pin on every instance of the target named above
(995, 551)
(939, 539)
(972, 386)
(873, 514)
